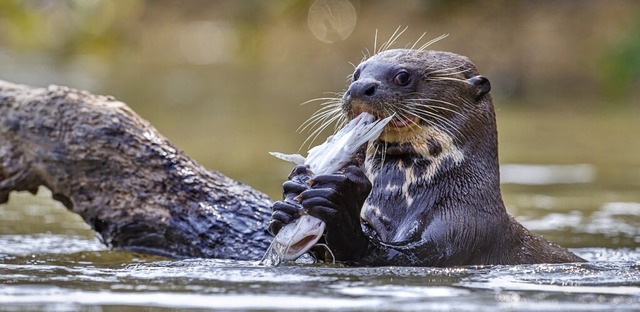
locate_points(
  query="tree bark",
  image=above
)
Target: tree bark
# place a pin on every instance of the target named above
(126, 180)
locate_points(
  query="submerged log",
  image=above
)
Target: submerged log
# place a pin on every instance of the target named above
(126, 180)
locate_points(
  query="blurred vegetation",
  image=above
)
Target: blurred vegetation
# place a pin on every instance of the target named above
(621, 65)
(223, 79)
(530, 46)
(66, 29)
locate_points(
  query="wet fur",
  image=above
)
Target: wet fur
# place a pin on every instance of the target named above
(435, 197)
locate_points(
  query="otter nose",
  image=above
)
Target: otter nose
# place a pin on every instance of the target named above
(363, 89)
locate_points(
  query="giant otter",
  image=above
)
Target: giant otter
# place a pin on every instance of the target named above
(427, 191)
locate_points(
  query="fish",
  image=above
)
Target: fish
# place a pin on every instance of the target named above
(296, 238)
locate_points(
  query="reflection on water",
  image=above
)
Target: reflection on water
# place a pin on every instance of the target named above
(49, 260)
(615, 220)
(546, 174)
(610, 280)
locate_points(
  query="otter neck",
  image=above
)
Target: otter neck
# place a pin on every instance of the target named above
(432, 156)
(421, 142)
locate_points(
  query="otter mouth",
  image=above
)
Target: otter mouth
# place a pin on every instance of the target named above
(397, 122)
(403, 122)
(400, 129)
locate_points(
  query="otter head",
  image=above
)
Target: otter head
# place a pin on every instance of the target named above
(434, 96)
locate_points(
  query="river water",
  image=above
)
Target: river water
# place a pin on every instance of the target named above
(566, 186)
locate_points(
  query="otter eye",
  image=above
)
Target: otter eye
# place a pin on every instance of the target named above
(356, 75)
(402, 78)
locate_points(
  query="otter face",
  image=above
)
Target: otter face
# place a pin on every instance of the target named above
(420, 88)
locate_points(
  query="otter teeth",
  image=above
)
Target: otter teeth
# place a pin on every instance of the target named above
(400, 123)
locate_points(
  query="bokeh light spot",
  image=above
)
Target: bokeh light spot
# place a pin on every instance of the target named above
(332, 20)
(205, 42)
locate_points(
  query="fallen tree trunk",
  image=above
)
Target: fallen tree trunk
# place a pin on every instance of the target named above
(128, 182)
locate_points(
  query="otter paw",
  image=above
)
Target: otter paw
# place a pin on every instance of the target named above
(284, 212)
(337, 199)
(348, 188)
(296, 183)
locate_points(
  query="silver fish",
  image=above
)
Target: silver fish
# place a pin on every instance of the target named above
(296, 238)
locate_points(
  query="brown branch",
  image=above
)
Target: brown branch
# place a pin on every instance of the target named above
(128, 182)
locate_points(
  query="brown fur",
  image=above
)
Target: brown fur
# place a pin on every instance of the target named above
(435, 197)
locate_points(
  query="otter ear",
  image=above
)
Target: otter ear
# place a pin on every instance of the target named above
(481, 84)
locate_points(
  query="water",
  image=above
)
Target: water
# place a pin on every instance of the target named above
(51, 261)
(573, 177)
(100, 280)
(578, 188)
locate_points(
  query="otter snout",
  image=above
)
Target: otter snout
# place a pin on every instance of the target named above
(363, 89)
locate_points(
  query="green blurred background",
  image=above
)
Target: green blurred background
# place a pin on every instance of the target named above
(223, 80)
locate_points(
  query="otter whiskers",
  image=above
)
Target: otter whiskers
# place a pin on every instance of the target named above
(429, 115)
(449, 71)
(329, 113)
(320, 116)
(394, 38)
(430, 42)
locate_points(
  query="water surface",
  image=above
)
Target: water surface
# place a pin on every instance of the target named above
(578, 188)
(50, 260)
